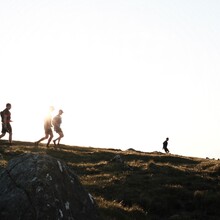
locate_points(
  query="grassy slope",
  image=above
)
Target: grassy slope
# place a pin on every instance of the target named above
(146, 186)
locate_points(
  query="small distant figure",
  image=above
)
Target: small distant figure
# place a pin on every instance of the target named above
(165, 144)
(6, 119)
(57, 120)
(47, 128)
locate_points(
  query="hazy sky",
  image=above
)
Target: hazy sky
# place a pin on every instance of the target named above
(127, 73)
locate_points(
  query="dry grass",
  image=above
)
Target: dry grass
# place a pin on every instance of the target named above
(145, 186)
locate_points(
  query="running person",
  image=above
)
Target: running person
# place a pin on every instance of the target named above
(47, 128)
(165, 144)
(6, 119)
(57, 120)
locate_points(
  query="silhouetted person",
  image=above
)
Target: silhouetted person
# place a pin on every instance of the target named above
(57, 120)
(165, 144)
(47, 128)
(6, 119)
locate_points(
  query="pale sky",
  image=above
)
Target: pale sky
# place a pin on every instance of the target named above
(127, 73)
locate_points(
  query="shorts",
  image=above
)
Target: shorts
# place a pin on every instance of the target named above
(48, 131)
(8, 128)
(58, 129)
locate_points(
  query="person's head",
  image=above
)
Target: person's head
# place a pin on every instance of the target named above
(60, 112)
(8, 106)
(167, 139)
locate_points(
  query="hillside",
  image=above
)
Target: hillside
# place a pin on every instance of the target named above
(142, 186)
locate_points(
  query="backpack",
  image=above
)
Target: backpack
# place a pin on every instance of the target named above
(2, 115)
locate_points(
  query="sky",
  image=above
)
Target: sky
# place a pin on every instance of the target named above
(126, 73)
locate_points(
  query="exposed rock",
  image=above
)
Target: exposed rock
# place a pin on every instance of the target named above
(117, 158)
(37, 186)
(131, 149)
(120, 163)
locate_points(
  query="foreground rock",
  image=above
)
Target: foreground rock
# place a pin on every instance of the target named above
(41, 187)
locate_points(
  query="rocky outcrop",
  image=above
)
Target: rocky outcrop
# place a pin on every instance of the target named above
(37, 186)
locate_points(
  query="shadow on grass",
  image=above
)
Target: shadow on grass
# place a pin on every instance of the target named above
(158, 184)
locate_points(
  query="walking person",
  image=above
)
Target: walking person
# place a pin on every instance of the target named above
(57, 120)
(47, 128)
(6, 125)
(165, 144)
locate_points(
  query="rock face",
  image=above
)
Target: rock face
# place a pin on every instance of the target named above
(37, 186)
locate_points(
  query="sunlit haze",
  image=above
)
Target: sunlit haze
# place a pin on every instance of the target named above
(127, 73)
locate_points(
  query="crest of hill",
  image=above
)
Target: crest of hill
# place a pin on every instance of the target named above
(137, 185)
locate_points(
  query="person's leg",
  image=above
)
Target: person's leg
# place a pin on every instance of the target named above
(61, 136)
(9, 128)
(50, 138)
(54, 141)
(2, 135)
(42, 139)
(10, 138)
(3, 132)
(60, 133)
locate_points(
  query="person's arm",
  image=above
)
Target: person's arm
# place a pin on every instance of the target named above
(5, 120)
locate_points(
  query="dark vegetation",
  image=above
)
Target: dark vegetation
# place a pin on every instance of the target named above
(145, 186)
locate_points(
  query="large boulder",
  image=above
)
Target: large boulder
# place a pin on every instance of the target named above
(37, 186)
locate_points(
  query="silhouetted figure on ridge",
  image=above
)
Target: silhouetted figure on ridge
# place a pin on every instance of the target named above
(6, 119)
(47, 128)
(165, 144)
(57, 120)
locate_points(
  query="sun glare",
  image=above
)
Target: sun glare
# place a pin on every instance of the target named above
(127, 74)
